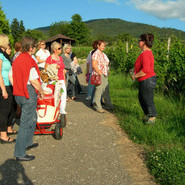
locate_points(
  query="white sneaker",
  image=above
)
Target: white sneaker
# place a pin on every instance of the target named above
(63, 112)
(88, 98)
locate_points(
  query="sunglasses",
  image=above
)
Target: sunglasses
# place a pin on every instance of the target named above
(140, 40)
(59, 48)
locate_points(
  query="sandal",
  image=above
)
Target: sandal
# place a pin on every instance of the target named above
(151, 120)
(68, 100)
(74, 98)
(7, 141)
(12, 132)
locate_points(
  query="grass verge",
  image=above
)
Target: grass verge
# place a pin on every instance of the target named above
(82, 51)
(163, 141)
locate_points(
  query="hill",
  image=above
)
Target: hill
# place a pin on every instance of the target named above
(112, 27)
(44, 29)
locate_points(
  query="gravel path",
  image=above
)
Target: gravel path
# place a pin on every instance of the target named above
(92, 151)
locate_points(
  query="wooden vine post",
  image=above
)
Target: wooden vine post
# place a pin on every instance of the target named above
(127, 47)
(168, 47)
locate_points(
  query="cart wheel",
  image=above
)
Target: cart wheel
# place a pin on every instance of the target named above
(63, 120)
(58, 132)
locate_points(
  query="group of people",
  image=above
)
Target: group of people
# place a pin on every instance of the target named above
(98, 63)
(20, 84)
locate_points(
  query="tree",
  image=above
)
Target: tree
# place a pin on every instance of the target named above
(4, 24)
(78, 30)
(61, 27)
(76, 18)
(124, 37)
(21, 27)
(15, 29)
(35, 34)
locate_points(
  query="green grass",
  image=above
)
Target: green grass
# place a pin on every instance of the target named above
(81, 51)
(168, 133)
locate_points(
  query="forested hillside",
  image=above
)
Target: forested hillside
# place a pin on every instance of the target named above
(112, 27)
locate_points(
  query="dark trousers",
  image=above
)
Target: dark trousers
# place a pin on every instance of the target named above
(78, 88)
(70, 83)
(6, 114)
(146, 96)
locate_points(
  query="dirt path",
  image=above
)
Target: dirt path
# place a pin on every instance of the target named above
(93, 151)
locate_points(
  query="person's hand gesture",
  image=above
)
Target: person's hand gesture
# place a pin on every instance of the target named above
(133, 77)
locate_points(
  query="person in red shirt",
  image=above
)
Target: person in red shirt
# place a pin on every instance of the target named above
(145, 74)
(25, 79)
(54, 58)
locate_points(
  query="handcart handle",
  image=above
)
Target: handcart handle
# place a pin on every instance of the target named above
(44, 111)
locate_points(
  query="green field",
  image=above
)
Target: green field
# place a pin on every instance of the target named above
(163, 141)
(81, 52)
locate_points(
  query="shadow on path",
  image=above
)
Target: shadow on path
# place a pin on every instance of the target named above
(13, 173)
(81, 97)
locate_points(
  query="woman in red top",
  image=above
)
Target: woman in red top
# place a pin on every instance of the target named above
(56, 59)
(144, 72)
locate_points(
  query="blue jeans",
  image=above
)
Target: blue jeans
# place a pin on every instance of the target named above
(90, 88)
(27, 121)
(146, 96)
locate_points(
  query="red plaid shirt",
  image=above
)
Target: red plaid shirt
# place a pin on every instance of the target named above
(102, 62)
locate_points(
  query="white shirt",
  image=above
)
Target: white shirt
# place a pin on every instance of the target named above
(43, 56)
(32, 76)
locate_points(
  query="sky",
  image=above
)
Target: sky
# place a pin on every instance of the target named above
(40, 13)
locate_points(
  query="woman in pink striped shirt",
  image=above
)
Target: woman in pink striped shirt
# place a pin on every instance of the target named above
(100, 64)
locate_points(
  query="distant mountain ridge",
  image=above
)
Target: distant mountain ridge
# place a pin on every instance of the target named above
(44, 29)
(113, 26)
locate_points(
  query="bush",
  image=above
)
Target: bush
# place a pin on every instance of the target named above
(121, 60)
(167, 165)
(169, 67)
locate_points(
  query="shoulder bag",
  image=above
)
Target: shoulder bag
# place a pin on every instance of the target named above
(96, 79)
